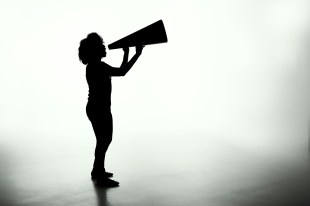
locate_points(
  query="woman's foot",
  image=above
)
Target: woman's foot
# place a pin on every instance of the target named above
(95, 176)
(106, 182)
(108, 174)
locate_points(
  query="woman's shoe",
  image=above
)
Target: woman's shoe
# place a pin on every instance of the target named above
(108, 174)
(95, 176)
(106, 182)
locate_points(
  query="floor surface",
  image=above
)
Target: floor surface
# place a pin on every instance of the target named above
(165, 170)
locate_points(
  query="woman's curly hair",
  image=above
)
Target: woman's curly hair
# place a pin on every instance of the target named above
(90, 47)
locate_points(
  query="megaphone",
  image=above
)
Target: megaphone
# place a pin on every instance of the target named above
(153, 34)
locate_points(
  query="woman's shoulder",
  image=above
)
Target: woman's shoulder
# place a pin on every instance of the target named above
(97, 68)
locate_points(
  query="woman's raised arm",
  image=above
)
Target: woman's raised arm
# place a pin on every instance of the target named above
(125, 67)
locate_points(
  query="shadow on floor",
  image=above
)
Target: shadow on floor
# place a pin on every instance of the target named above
(102, 198)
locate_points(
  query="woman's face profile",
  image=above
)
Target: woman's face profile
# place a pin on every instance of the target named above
(100, 51)
(103, 50)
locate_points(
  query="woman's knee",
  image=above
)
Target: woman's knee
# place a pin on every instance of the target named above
(104, 140)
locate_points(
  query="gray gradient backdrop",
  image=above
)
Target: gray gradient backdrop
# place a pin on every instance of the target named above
(233, 71)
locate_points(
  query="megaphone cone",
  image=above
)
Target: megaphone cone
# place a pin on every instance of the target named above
(152, 34)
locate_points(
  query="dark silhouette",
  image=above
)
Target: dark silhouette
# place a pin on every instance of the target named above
(98, 75)
(151, 34)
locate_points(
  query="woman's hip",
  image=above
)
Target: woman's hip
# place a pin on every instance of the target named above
(98, 112)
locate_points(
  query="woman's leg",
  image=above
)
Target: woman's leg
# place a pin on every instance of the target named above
(103, 129)
(102, 123)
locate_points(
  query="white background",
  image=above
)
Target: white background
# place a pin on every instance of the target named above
(234, 70)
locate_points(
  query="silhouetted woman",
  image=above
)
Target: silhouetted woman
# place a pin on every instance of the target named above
(98, 76)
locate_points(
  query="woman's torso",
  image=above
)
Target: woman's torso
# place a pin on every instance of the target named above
(99, 85)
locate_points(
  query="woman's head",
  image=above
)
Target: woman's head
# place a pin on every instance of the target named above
(91, 48)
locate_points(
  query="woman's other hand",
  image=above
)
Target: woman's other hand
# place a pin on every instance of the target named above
(139, 50)
(126, 50)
